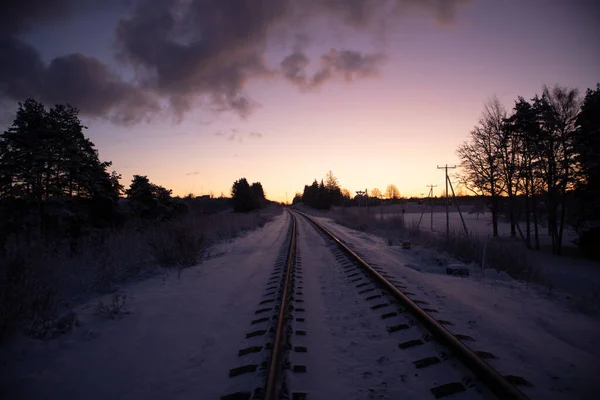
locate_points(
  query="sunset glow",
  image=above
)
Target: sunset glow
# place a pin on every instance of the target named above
(393, 125)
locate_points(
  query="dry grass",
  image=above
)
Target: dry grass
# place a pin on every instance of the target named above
(114, 309)
(392, 228)
(40, 282)
(500, 253)
(179, 244)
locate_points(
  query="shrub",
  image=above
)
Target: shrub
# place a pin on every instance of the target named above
(40, 280)
(176, 244)
(114, 309)
(29, 297)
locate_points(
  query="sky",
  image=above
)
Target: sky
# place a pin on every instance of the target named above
(196, 94)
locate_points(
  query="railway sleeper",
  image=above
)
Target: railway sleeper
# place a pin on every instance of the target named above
(447, 389)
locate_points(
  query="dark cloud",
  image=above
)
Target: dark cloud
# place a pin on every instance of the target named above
(256, 135)
(346, 64)
(230, 136)
(82, 81)
(191, 52)
(193, 173)
(293, 68)
(88, 83)
(23, 74)
(208, 50)
(372, 14)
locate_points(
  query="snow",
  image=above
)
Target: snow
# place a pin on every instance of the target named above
(576, 276)
(179, 340)
(350, 353)
(182, 332)
(480, 224)
(534, 332)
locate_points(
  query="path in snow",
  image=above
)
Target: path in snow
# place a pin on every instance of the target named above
(535, 335)
(179, 341)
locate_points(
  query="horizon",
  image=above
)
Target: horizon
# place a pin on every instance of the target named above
(266, 98)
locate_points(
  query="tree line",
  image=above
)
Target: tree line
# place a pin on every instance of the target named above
(541, 160)
(322, 195)
(45, 154)
(53, 182)
(247, 197)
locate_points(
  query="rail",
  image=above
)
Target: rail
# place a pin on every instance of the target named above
(486, 374)
(275, 368)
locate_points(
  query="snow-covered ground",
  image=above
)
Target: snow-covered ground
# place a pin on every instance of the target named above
(179, 340)
(577, 276)
(350, 354)
(534, 332)
(182, 334)
(479, 224)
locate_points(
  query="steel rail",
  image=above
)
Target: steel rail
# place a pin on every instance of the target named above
(275, 368)
(486, 374)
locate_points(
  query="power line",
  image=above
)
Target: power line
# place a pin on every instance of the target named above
(445, 167)
(430, 198)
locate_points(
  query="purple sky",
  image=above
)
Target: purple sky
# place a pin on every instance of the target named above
(376, 96)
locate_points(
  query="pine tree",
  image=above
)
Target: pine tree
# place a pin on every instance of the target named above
(243, 200)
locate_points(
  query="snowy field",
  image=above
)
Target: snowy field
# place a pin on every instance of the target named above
(577, 276)
(476, 223)
(536, 333)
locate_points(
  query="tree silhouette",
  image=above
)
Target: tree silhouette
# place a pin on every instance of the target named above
(142, 190)
(258, 194)
(524, 128)
(243, 198)
(149, 200)
(297, 198)
(44, 154)
(323, 195)
(375, 193)
(392, 192)
(587, 146)
(557, 110)
(539, 153)
(481, 158)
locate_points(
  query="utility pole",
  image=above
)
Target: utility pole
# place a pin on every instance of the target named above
(447, 211)
(431, 202)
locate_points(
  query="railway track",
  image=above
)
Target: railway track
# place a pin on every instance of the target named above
(284, 292)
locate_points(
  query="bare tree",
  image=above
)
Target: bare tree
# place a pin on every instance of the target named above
(331, 182)
(481, 160)
(392, 192)
(376, 193)
(510, 154)
(559, 108)
(523, 125)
